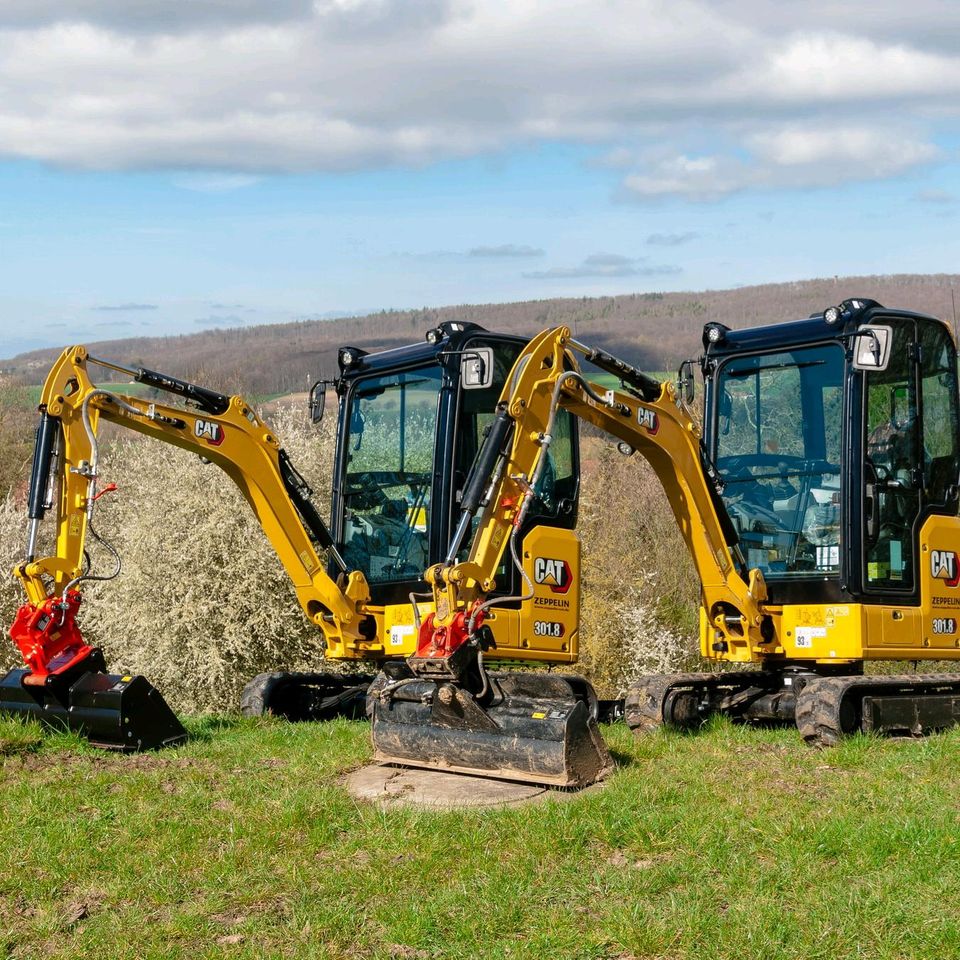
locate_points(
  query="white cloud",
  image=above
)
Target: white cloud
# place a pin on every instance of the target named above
(696, 178)
(937, 197)
(165, 15)
(124, 307)
(813, 68)
(215, 182)
(506, 251)
(671, 239)
(739, 93)
(606, 265)
(798, 156)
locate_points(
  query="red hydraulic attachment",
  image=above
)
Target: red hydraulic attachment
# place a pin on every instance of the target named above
(48, 636)
(436, 643)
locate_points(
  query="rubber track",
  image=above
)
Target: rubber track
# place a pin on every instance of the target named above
(820, 702)
(643, 704)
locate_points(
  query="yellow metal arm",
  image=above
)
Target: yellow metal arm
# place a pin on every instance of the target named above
(236, 440)
(545, 377)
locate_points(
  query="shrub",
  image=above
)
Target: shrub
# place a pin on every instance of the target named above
(17, 423)
(12, 539)
(640, 590)
(202, 603)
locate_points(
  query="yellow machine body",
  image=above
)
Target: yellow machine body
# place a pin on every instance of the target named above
(851, 632)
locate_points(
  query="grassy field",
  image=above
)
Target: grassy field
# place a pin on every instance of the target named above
(733, 843)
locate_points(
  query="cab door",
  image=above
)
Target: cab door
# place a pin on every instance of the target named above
(891, 481)
(911, 464)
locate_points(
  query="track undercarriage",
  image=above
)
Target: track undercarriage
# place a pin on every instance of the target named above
(307, 696)
(826, 705)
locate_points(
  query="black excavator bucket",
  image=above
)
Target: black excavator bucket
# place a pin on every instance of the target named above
(537, 728)
(112, 711)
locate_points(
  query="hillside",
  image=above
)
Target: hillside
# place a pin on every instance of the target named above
(653, 330)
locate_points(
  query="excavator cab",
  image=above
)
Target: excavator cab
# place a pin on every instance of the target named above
(410, 424)
(837, 443)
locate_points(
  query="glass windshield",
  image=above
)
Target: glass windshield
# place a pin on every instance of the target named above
(777, 448)
(387, 481)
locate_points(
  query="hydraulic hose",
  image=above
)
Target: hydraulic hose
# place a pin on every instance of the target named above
(91, 473)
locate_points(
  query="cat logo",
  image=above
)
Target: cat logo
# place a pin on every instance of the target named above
(554, 574)
(648, 419)
(945, 566)
(209, 431)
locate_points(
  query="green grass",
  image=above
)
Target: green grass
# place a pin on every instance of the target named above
(734, 843)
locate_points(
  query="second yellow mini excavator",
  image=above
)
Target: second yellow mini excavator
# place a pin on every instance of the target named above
(819, 505)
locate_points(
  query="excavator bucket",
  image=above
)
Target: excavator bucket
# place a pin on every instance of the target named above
(536, 728)
(115, 712)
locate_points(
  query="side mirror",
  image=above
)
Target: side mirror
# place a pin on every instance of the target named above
(318, 399)
(476, 368)
(686, 384)
(871, 347)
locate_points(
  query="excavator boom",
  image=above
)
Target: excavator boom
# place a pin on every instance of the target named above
(65, 680)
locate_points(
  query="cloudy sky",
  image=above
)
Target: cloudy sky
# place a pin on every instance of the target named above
(173, 165)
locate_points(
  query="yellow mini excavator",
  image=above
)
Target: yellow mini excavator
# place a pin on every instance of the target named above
(819, 504)
(410, 421)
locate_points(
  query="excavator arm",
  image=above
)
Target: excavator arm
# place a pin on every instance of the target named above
(645, 415)
(66, 478)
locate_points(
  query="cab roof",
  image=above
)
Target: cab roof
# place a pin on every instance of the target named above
(852, 314)
(446, 338)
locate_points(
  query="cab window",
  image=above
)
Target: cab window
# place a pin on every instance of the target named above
(941, 430)
(388, 481)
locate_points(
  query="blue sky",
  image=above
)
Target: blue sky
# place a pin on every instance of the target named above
(167, 168)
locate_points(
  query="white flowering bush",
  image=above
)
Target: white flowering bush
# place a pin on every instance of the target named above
(13, 535)
(202, 603)
(640, 589)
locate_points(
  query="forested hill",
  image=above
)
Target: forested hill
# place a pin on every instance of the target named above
(652, 330)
